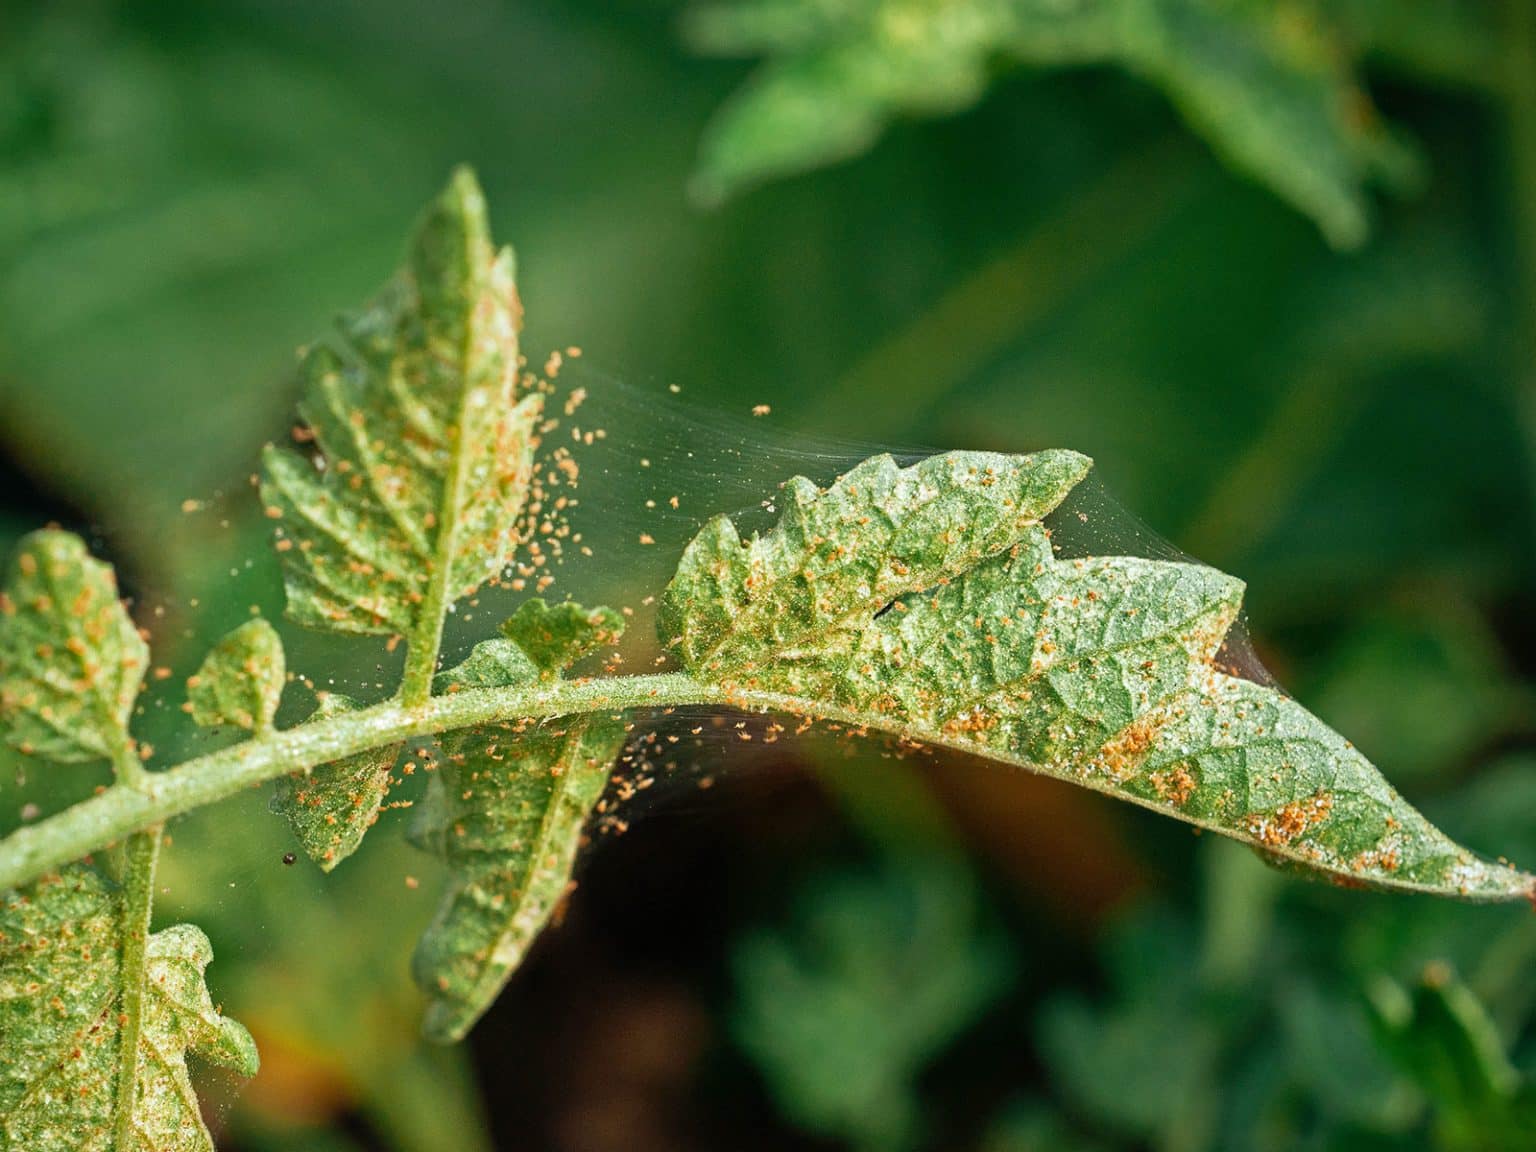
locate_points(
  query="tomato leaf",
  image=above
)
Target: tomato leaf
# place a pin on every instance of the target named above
(928, 602)
(62, 1013)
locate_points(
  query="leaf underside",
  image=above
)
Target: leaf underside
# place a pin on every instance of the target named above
(513, 809)
(71, 661)
(417, 493)
(60, 1004)
(928, 602)
(425, 449)
(241, 680)
(554, 637)
(331, 807)
(507, 811)
(1277, 97)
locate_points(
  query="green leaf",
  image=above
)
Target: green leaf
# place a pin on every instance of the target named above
(928, 602)
(801, 598)
(506, 810)
(332, 807)
(241, 680)
(1032, 1126)
(876, 975)
(62, 1010)
(71, 661)
(425, 446)
(494, 663)
(1276, 95)
(1147, 1063)
(1441, 1035)
(556, 637)
(513, 806)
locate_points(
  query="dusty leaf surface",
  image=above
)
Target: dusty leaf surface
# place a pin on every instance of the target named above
(61, 996)
(507, 811)
(241, 681)
(928, 602)
(331, 807)
(425, 444)
(71, 661)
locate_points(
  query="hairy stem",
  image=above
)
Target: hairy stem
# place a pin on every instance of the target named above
(121, 811)
(139, 859)
(126, 766)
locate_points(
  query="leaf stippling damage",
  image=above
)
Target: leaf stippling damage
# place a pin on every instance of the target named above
(507, 811)
(331, 807)
(62, 993)
(425, 443)
(71, 661)
(241, 681)
(928, 601)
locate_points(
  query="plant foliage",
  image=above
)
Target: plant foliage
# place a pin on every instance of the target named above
(425, 451)
(71, 661)
(241, 681)
(814, 998)
(1274, 88)
(928, 602)
(506, 813)
(64, 1019)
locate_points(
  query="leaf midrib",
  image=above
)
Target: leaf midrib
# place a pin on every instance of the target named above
(421, 662)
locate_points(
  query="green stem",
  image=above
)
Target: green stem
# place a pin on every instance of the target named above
(119, 811)
(126, 765)
(139, 859)
(426, 638)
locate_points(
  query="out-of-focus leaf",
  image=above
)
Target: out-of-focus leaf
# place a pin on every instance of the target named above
(1417, 691)
(266, 1139)
(1443, 41)
(928, 602)
(1272, 87)
(1034, 1127)
(1324, 1007)
(339, 1027)
(63, 1010)
(1331, 1054)
(171, 209)
(1443, 1037)
(71, 661)
(1148, 1065)
(241, 681)
(873, 978)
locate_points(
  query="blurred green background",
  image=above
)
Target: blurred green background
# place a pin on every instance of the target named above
(1272, 264)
